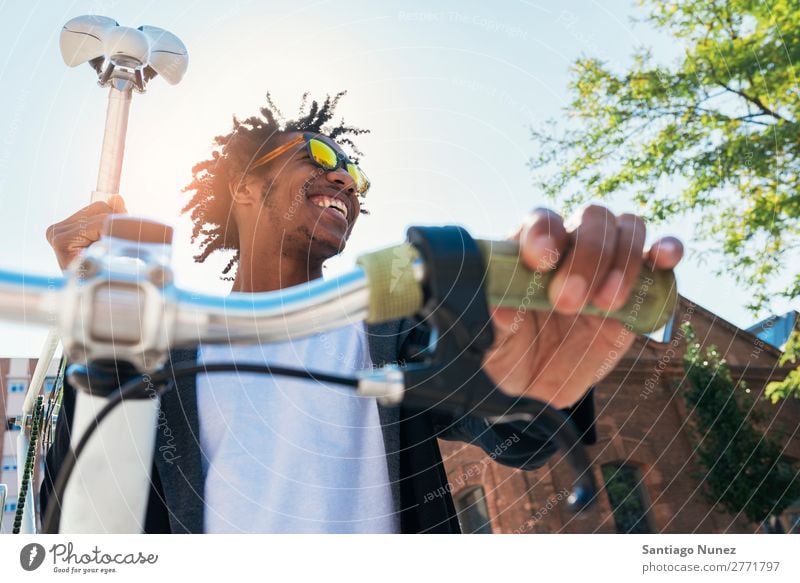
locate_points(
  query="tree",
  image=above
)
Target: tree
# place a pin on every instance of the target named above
(744, 471)
(790, 386)
(714, 135)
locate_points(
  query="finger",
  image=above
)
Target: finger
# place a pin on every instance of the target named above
(543, 239)
(92, 228)
(665, 253)
(96, 208)
(58, 231)
(99, 208)
(76, 245)
(79, 233)
(627, 263)
(69, 240)
(587, 262)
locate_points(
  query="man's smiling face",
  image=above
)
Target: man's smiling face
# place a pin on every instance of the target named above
(312, 209)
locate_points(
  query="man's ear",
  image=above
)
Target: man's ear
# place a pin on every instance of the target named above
(245, 190)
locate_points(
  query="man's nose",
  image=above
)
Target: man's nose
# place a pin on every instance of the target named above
(342, 179)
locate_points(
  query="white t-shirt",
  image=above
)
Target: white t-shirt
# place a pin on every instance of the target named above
(293, 455)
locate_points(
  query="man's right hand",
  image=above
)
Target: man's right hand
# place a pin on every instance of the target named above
(69, 237)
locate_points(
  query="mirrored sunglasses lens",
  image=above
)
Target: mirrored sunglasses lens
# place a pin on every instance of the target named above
(364, 181)
(323, 154)
(362, 184)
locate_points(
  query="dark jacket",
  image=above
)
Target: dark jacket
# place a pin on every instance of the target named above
(416, 471)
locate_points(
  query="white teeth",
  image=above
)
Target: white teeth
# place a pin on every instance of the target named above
(326, 201)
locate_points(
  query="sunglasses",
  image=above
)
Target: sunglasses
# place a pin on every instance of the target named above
(323, 155)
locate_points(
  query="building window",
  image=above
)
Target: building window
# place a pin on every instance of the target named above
(16, 386)
(9, 463)
(10, 506)
(473, 513)
(627, 498)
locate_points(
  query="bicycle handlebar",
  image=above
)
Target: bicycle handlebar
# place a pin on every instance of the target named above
(118, 303)
(152, 315)
(395, 292)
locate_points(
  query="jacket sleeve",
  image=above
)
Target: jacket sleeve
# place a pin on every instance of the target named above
(519, 444)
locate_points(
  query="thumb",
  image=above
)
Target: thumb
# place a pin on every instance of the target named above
(117, 204)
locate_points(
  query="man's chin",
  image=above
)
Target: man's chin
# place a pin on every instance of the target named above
(324, 244)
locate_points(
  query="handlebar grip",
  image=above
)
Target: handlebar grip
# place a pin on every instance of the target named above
(511, 284)
(395, 293)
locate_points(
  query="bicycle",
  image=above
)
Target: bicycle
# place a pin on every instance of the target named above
(119, 313)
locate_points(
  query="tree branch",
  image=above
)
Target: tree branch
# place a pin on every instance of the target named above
(755, 101)
(749, 119)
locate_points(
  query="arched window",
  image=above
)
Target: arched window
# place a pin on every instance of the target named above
(627, 497)
(473, 513)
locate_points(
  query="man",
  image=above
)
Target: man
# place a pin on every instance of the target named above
(256, 454)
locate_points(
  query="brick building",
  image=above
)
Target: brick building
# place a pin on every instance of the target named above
(642, 431)
(643, 438)
(15, 374)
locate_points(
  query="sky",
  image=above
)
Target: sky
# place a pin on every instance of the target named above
(449, 91)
